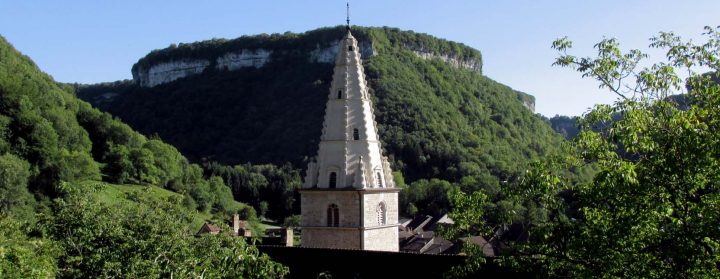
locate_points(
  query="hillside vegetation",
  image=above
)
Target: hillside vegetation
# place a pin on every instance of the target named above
(58, 220)
(113, 194)
(435, 120)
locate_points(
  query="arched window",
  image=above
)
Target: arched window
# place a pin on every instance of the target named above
(356, 134)
(333, 215)
(339, 94)
(379, 179)
(332, 183)
(381, 212)
(350, 48)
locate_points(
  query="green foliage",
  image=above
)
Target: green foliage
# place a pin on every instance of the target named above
(292, 221)
(441, 122)
(22, 256)
(77, 166)
(247, 213)
(146, 238)
(651, 210)
(430, 196)
(39, 123)
(224, 256)
(168, 161)
(14, 196)
(471, 219)
(263, 208)
(262, 184)
(65, 139)
(51, 144)
(202, 196)
(222, 195)
(568, 127)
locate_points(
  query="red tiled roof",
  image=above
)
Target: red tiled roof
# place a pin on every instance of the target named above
(213, 228)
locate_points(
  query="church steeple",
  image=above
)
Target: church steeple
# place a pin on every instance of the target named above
(349, 132)
(349, 199)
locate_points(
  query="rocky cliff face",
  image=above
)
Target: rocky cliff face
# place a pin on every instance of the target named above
(165, 72)
(243, 59)
(469, 64)
(169, 71)
(529, 104)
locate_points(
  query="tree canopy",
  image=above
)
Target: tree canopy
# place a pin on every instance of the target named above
(55, 147)
(652, 209)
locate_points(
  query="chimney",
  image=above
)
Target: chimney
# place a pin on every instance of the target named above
(287, 237)
(236, 223)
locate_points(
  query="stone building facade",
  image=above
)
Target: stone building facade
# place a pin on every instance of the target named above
(349, 199)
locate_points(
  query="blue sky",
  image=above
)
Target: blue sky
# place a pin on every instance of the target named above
(95, 41)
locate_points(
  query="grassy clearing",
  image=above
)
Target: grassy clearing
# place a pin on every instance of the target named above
(116, 193)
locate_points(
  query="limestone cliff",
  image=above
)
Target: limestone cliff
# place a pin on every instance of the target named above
(243, 58)
(169, 71)
(170, 64)
(457, 62)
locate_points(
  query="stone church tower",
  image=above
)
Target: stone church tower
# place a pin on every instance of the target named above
(349, 199)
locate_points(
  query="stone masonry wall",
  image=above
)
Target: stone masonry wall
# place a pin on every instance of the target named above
(316, 203)
(371, 202)
(381, 239)
(315, 233)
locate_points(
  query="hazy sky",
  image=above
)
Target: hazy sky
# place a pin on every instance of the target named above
(95, 41)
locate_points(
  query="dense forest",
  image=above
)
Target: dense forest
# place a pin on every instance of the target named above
(58, 158)
(438, 123)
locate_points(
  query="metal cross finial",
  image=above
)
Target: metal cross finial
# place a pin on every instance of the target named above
(348, 15)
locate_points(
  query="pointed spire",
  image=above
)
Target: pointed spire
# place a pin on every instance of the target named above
(349, 129)
(348, 15)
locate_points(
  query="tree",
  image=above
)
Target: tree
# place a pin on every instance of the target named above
(222, 196)
(119, 167)
(263, 208)
(14, 196)
(22, 256)
(143, 237)
(78, 166)
(168, 161)
(652, 209)
(292, 221)
(145, 166)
